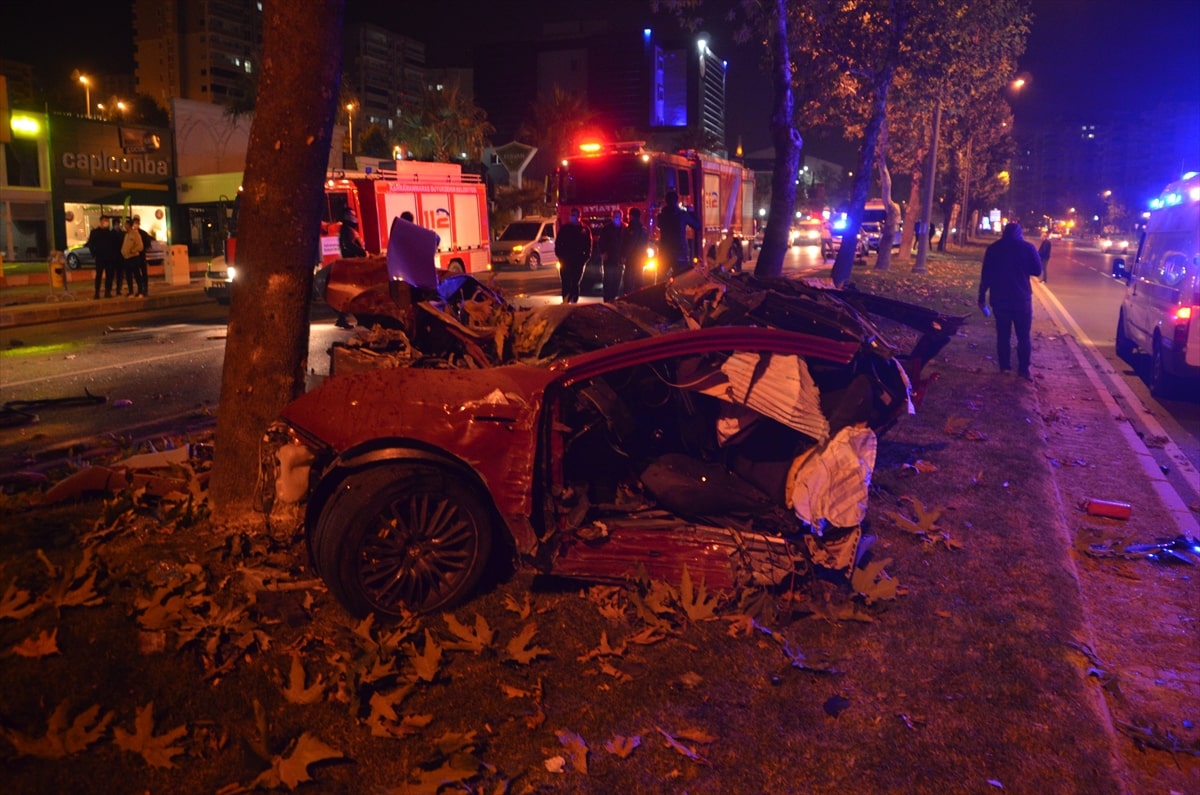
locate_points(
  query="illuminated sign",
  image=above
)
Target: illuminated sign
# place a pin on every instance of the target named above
(104, 164)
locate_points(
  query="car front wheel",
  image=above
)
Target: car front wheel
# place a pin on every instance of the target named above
(73, 261)
(402, 537)
(535, 261)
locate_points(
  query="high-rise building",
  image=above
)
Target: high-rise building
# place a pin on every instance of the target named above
(206, 51)
(384, 70)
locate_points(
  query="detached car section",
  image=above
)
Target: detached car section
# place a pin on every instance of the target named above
(724, 424)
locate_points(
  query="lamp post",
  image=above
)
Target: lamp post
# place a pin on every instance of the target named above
(920, 265)
(350, 124)
(87, 94)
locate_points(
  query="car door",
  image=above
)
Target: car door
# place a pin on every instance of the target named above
(545, 243)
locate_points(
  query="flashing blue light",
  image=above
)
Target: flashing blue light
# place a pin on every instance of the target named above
(645, 33)
(839, 224)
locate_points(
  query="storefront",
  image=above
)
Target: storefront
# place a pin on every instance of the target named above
(25, 196)
(109, 169)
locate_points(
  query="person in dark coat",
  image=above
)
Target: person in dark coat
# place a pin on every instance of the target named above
(348, 240)
(633, 251)
(673, 223)
(131, 249)
(1044, 253)
(106, 250)
(1008, 265)
(143, 270)
(612, 266)
(572, 246)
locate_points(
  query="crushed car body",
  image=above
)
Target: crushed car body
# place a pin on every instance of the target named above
(718, 422)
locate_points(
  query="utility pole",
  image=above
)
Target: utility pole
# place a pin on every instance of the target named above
(930, 175)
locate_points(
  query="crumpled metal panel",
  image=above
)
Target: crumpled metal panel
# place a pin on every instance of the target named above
(483, 418)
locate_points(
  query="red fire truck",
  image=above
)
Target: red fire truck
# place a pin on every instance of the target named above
(602, 178)
(439, 195)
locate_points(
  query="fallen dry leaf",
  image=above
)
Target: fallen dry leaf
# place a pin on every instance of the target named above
(157, 750)
(291, 769)
(622, 746)
(63, 737)
(42, 644)
(519, 648)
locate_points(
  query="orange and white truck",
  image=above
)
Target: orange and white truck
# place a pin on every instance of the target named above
(439, 196)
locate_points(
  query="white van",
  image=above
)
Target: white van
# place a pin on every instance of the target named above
(527, 243)
(1161, 308)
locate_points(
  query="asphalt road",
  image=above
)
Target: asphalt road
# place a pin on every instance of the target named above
(156, 369)
(1085, 299)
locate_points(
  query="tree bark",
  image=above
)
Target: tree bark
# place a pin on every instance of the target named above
(883, 258)
(266, 350)
(787, 151)
(912, 216)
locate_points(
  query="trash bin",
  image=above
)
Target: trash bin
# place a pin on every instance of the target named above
(176, 267)
(58, 270)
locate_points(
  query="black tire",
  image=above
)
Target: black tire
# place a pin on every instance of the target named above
(535, 261)
(402, 537)
(456, 267)
(73, 261)
(1124, 345)
(1162, 383)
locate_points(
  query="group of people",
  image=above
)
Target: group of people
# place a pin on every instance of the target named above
(622, 247)
(120, 257)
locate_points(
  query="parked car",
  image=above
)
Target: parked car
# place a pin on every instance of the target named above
(595, 440)
(1161, 307)
(528, 243)
(871, 233)
(78, 256)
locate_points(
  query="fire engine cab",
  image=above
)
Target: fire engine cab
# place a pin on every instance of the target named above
(603, 177)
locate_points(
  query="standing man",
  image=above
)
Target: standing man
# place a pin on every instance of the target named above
(1044, 254)
(572, 246)
(1008, 265)
(611, 264)
(105, 249)
(143, 272)
(633, 251)
(673, 223)
(131, 248)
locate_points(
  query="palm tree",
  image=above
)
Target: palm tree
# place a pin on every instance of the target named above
(444, 125)
(555, 122)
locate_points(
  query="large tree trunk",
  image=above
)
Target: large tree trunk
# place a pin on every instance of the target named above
(883, 259)
(266, 352)
(787, 151)
(843, 266)
(912, 215)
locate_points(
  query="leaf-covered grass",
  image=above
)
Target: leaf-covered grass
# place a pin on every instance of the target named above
(170, 655)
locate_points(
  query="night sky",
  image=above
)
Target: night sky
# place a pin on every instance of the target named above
(1083, 56)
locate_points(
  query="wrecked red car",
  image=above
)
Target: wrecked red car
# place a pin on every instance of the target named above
(725, 424)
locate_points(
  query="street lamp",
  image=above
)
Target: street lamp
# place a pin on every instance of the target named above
(87, 94)
(350, 124)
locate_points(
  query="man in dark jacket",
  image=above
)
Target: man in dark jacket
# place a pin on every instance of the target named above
(1008, 265)
(633, 251)
(673, 223)
(572, 246)
(143, 266)
(612, 264)
(105, 245)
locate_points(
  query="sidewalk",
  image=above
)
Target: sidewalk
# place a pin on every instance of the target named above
(26, 297)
